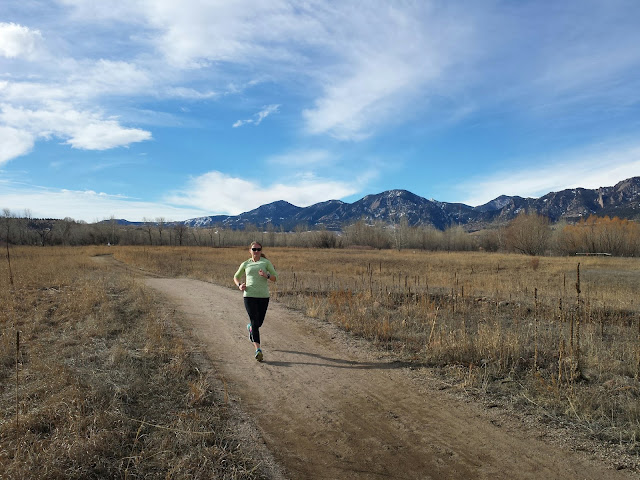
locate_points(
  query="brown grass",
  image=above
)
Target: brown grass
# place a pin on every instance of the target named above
(106, 386)
(506, 327)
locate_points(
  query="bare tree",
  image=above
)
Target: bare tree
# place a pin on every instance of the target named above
(43, 227)
(196, 238)
(324, 239)
(113, 237)
(65, 227)
(180, 230)
(490, 240)
(221, 234)
(528, 233)
(363, 234)
(23, 229)
(271, 234)
(7, 220)
(300, 239)
(148, 225)
(401, 232)
(600, 235)
(456, 239)
(160, 225)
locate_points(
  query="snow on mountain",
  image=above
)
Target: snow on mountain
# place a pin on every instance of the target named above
(394, 206)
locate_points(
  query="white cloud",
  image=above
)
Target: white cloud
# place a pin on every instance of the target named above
(65, 108)
(58, 96)
(219, 193)
(105, 134)
(80, 129)
(592, 168)
(351, 107)
(361, 66)
(190, 93)
(591, 56)
(87, 205)
(14, 143)
(194, 34)
(303, 158)
(387, 58)
(18, 41)
(258, 117)
(265, 112)
(87, 11)
(27, 93)
(362, 63)
(351, 68)
(109, 77)
(569, 75)
(78, 82)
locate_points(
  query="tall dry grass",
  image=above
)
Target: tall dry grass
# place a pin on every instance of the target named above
(104, 385)
(557, 334)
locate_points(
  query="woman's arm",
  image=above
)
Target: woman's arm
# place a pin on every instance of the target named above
(273, 276)
(237, 278)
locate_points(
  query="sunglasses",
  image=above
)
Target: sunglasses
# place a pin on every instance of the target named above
(253, 249)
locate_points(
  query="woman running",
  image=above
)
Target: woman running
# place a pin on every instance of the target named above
(258, 271)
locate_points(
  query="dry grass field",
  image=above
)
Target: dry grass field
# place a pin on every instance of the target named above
(107, 388)
(104, 386)
(557, 335)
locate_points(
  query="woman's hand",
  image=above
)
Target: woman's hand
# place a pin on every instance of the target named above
(242, 287)
(266, 275)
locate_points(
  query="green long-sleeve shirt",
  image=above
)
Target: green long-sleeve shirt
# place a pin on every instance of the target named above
(257, 286)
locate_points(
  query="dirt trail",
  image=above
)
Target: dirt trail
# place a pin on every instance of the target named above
(328, 407)
(330, 410)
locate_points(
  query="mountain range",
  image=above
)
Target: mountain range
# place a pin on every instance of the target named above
(621, 200)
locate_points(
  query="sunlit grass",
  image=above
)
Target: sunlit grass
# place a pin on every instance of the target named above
(104, 385)
(505, 325)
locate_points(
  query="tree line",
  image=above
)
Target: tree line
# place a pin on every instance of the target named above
(528, 233)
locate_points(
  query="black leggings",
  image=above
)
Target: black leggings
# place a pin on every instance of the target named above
(257, 309)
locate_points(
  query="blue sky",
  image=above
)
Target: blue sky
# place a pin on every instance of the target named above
(159, 108)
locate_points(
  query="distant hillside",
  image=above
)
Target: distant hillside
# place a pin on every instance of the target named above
(622, 200)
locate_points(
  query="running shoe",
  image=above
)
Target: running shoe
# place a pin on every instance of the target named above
(250, 332)
(259, 355)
